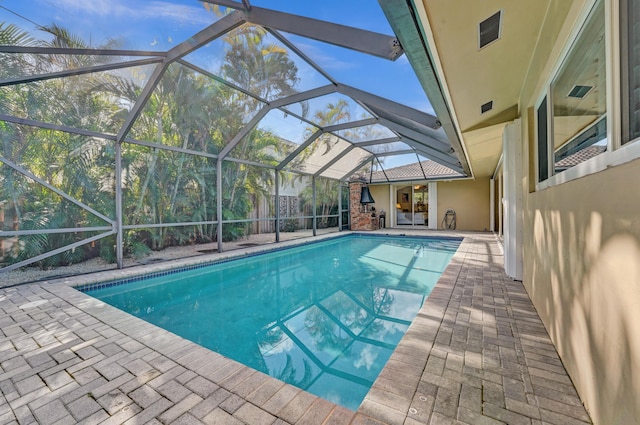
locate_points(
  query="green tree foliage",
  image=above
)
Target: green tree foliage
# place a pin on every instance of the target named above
(186, 110)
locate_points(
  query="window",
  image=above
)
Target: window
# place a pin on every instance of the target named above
(543, 141)
(576, 134)
(579, 98)
(630, 43)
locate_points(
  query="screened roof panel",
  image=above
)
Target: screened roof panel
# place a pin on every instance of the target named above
(329, 109)
(319, 153)
(387, 147)
(345, 165)
(367, 72)
(419, 170)
(256, 61)
(274, 137)
(392, 161)
(212, 89)
(95, 102)
(366, 133)
(193, 111)
(132, 24)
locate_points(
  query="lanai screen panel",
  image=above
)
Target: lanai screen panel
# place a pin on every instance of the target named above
(363, 14)
(402, 160)
(161, 186)
(134, 24)
(256, 182)
(95, 102)
(384, 148)
(341, 168)
(318, 154)
(330, 109)
(253, 59)
(366, 133)
(276, 136)
(192, 111)
(79, 166)
(367, 72)
(327, 193)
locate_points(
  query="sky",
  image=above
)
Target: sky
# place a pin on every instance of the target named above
(162, 24)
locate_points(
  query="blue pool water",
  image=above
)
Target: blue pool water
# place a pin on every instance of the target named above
(324, 316)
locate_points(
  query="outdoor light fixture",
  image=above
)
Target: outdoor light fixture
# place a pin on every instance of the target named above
(365, 195)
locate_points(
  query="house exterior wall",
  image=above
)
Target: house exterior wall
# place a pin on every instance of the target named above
(582, 271)
(469, 199)
(582, 261)
(380, 194)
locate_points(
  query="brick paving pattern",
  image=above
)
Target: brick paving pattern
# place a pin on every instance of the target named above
(476, 354)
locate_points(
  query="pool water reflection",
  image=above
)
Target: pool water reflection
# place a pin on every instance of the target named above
(324, 317)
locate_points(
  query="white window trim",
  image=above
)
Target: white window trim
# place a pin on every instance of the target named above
(605, 160)
(616, 153)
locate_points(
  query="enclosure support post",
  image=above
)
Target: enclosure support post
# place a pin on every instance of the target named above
(277, 205)
(219, 202)
(492, 205)
(339, 206)
(313, 188)
(118, 183)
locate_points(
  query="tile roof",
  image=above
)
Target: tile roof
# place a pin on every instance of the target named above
(414, 172)
(579, 156)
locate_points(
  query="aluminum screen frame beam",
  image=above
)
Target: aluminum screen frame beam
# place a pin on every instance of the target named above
(76, 51)
(78, 71)
(402, 17)
(369, 42)
(55, 127)
(389, 105)
(416, 139)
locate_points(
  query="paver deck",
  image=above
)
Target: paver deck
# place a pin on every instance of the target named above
(476, 354)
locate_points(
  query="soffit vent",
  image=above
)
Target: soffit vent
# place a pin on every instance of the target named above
(579, 91)
(486, 107)
(490, 29)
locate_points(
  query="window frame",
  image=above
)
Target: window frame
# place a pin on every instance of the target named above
(615, 57)
(544, 99)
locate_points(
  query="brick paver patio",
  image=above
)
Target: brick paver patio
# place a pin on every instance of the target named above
(476, 354)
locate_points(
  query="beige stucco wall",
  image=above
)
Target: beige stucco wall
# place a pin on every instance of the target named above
(582, 263)
(582, 271)
(380, 194)
(469, 199)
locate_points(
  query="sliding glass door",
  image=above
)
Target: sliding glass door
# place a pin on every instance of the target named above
(412, 205)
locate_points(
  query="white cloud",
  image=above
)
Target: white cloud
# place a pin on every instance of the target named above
(135, 10)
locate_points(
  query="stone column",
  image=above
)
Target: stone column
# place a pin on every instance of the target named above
(360, 220)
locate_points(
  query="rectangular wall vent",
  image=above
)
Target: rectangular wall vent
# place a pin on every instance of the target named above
(490, 28)
(579, 91)
(486, 107)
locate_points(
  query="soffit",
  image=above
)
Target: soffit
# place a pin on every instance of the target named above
(484, 147)
(498, 72)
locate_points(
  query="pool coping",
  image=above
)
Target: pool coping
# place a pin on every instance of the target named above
(477, 352)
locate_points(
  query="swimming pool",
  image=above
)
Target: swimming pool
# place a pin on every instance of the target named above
(324, 316)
